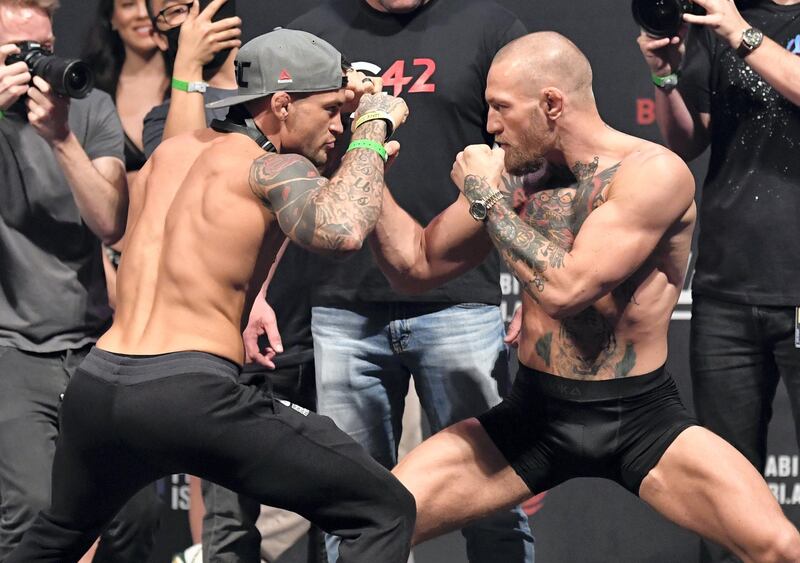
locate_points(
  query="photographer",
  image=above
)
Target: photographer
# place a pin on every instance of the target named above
(734, 84)
(62, 191)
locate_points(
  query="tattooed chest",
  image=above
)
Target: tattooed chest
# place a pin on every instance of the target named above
(558, 213)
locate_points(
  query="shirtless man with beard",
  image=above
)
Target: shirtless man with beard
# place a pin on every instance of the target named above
(600, 239)
(208, 213)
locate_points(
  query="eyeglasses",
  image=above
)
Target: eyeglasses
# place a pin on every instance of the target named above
(172, 16)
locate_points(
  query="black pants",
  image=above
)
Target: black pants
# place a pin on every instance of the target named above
(738, 354)
(127, 421)
(230, 534)
(31, 385)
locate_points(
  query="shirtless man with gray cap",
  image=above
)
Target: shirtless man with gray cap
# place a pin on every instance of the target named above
(210, 209)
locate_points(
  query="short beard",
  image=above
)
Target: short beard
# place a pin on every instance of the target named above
(521, 166)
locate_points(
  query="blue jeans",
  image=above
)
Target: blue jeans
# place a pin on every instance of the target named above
(738, 354)
(365, 356)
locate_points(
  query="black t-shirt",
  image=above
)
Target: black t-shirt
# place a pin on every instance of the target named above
(436, 58)
(750, 207)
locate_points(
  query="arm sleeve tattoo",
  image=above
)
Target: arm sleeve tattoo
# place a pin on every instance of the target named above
(332, 215)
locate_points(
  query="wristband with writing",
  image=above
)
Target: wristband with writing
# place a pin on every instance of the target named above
(184, 86)
(374, 115)
(370, 145)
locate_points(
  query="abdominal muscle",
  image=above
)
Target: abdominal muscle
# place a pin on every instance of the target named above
(611, 339)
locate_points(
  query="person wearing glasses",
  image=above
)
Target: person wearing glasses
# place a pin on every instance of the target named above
(202, 69)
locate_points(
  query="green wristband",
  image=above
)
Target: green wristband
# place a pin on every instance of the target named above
(181, 85)
(665, 82)
(2, 114)
(184, 86)
(370, 145)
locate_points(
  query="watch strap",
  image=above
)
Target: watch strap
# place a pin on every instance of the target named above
(493, 198)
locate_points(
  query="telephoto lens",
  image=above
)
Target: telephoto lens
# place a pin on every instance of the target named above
(663, 18)
(68, 77)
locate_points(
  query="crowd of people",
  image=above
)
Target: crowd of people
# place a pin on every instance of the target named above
(288, 242)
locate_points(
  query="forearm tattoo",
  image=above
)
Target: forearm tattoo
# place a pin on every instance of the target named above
(316, 212)
(526, 251)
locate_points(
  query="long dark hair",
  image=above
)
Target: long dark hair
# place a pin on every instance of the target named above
(104, 51)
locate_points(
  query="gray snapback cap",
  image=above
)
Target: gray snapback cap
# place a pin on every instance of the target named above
(284, 60)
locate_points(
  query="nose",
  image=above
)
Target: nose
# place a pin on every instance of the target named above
(142, 9)
(337, 128)
(493, 123)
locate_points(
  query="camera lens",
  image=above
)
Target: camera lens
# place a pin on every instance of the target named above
(78, 79)
(659, 18)
(69, 77)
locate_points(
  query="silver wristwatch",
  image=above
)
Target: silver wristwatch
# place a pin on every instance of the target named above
(751, 40)
(479, 209)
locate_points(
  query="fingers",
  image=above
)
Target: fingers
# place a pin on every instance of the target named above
(392, 148)
(514, 328)
(194, 9)
(652, 43)
(6, 50)
(212, 8)
(234, 22)
(274, 336)
(40, 102)
(392, 152)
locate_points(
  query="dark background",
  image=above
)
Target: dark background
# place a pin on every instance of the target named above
(585, 520)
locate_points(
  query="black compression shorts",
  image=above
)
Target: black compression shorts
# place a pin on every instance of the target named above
(551, 429)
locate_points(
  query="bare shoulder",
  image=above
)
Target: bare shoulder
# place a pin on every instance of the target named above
(270, 168)
(281, 175)
(655, 176)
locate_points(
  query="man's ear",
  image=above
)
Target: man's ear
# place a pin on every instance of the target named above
(280, 105)
(552, 102)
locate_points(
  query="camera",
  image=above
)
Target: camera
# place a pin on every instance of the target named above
(68, 77)
(663, 18)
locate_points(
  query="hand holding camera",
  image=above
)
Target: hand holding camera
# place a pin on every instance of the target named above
(48, 111)
(723, 17)
(14, 77)
(662, 19)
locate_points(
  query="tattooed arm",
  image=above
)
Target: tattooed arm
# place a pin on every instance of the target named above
(329, 216)
(650, 193)
(415, 260)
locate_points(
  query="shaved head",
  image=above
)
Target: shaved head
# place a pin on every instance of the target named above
(544, 59)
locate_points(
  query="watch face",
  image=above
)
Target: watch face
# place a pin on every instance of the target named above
(752, 38)
(478, 210)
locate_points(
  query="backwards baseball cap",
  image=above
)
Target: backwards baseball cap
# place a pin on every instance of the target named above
(284, 60)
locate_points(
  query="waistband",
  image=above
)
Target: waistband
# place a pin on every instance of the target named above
(580, 390)
(123, 368)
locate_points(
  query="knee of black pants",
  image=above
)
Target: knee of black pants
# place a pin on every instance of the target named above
(131, 534)
(51, 541)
